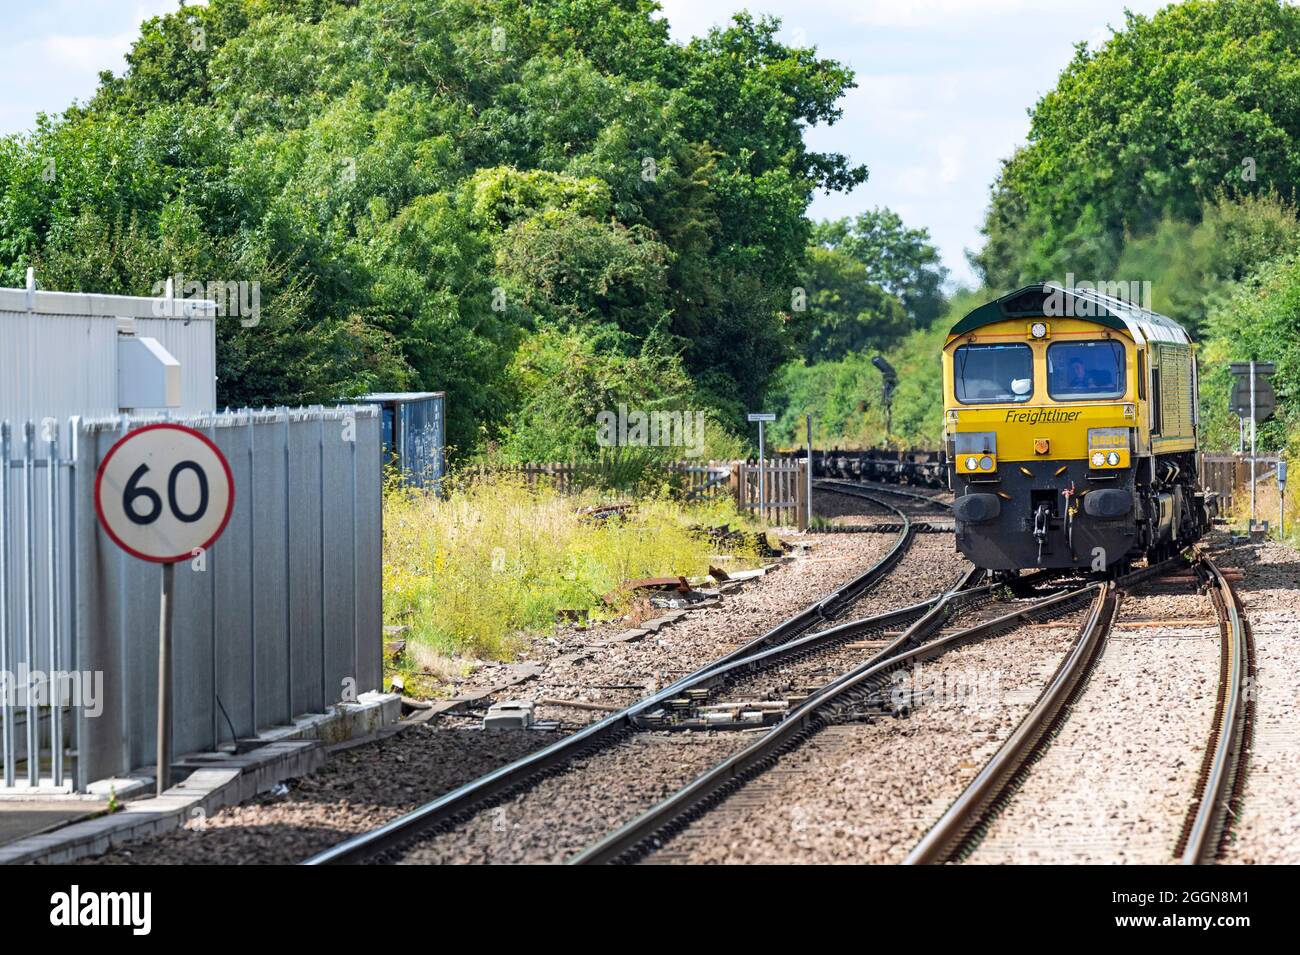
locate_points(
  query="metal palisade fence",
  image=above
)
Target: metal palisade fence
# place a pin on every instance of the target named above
(281, 618)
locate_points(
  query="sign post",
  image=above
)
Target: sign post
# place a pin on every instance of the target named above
(164, 738)
(810, 473)
(1254, 423)
(888, 382)
(761, 418)
(1253, 397)
(164, 493)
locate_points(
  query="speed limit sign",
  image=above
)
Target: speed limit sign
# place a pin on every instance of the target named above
(164, 492)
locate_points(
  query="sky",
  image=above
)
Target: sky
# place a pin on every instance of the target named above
(943, 85)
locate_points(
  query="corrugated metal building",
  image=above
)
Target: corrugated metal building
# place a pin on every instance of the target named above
(414, 428)
(71, 353)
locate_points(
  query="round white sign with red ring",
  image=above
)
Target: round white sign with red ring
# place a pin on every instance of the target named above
(164, 491)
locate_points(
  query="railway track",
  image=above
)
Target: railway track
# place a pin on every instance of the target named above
(858, 695)
(964, 823)
(795, 648)
(929, 514)
(741, 715)
(1222, 773)
(915, 499)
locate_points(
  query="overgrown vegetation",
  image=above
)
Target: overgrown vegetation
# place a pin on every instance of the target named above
(449, 196)
(480, 572)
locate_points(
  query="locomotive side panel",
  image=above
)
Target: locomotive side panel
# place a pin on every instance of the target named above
(1172, 415)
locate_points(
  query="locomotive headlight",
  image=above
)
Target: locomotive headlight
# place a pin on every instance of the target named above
(1098, 459)
(1038, 330)
(975, 451)
(1113, 459)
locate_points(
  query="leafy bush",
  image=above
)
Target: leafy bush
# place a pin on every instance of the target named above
(563, 383)
(1261, 321)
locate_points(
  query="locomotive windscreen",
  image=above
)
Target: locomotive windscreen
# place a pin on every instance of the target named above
(1077, 370)
(989, 373)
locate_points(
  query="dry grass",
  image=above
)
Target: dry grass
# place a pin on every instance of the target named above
(1266, 509)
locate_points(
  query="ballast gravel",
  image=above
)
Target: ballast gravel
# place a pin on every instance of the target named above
(357, 789)
(1118, 780)
(362, 787)
(866, 793)
(1267, 831)
(592, 796)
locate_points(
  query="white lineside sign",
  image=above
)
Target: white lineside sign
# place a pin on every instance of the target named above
(163, 492)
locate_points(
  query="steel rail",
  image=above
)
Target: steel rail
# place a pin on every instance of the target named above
(990, 789)
(781, 641)
(649, 830)
(469, 797)
(1222, 770)
(831, 606)
(832, 484)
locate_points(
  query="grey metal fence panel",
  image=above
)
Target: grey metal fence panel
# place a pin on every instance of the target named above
(263, 441)
(339, 605)
(368, 533)
(305, 592)
(233, 568)
(193, 676)
(137, 633)
(280, 618)
(102, 740)
(36, 581)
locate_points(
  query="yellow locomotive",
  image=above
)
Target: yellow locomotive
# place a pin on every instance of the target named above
(1071, 432)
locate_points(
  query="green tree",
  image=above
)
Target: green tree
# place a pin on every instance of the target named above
(419, 187)
(901, 261)
(1192, 267)
(1200, 97)
(845, 311)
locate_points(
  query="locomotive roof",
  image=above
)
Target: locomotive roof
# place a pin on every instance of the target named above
(1047, 299)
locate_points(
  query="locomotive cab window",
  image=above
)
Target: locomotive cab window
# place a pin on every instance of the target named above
(1082, 370)
(993, 373)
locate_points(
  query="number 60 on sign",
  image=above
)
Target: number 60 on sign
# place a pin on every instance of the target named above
(163, 492)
